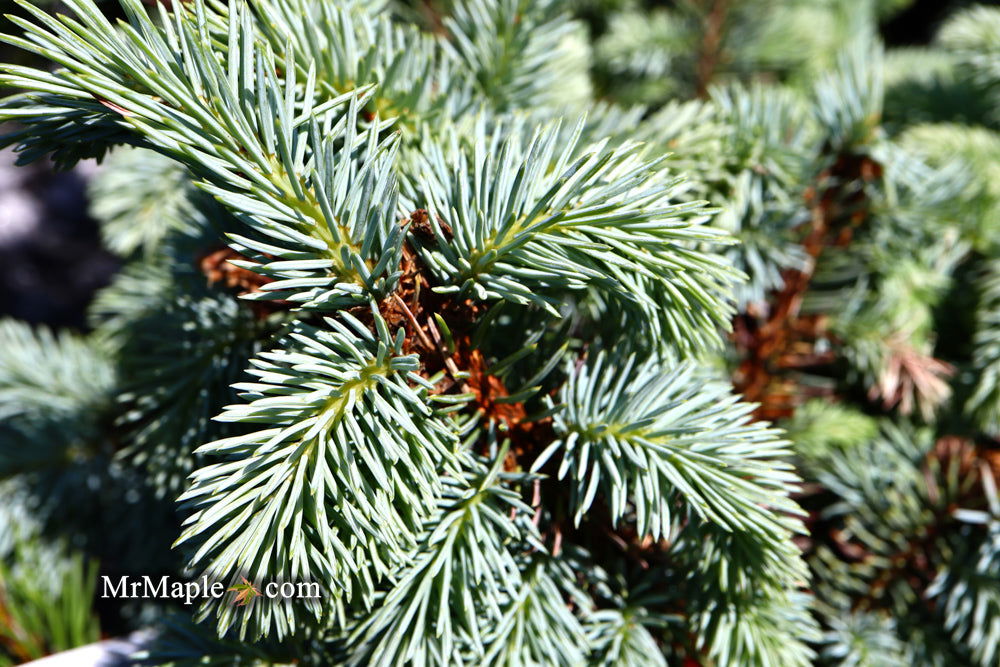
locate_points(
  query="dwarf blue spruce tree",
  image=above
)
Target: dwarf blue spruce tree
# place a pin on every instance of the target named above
(478, 314)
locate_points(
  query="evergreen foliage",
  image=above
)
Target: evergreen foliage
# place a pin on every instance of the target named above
(487, 317)
(46, 589)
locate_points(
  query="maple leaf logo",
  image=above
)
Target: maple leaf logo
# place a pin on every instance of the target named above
(245, 593)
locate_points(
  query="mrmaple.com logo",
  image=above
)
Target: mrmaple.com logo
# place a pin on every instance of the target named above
(146, 587)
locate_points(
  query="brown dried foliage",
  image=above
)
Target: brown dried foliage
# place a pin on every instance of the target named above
(778, 339)
(711, 53)
(219, 270)
(414, 306)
